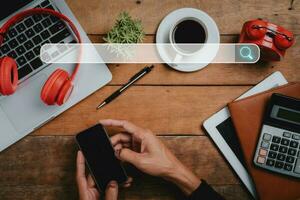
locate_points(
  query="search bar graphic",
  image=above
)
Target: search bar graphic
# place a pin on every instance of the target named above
(150, 53)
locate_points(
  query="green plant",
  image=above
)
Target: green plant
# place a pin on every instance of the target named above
(125, 30)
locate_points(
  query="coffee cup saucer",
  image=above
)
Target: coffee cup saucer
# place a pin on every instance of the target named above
(213, 36)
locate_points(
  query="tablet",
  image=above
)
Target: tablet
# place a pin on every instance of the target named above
(221, 130)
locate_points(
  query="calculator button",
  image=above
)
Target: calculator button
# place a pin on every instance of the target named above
(261, 160)
(265, 144)
(276, 139)
(270, 162)
(283, 149)
(287, 134)
(279, 164)
(272, 154)
(281, 157)
(292, 152)
(285, 142)
(263, 152)
(296, 137)
(297, 166)
(290, 159)
(288, 167)
(267, 137)
(274, 147)
(294, 144)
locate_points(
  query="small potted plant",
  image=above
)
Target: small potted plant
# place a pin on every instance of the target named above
(125, 31)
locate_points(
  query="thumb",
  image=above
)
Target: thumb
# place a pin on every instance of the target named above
(111, 192)
(130, 156)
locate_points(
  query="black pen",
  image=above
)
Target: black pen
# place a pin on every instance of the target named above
(132, 80)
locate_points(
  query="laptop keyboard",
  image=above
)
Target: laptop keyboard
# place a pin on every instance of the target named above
(24, 40)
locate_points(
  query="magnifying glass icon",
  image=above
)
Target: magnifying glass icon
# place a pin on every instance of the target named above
(245, 52)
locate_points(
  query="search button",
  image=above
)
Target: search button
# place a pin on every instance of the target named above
(247, 53)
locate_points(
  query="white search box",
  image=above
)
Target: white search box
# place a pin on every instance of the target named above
(150, 53)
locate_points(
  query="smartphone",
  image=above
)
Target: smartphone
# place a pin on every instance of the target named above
(100, 156)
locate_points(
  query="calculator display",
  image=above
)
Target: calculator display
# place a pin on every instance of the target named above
(285, 114)
(289, 115)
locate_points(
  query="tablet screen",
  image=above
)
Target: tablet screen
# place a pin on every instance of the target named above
(227, 131)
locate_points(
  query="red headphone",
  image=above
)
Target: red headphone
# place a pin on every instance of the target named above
(58, 87)
(273, 40)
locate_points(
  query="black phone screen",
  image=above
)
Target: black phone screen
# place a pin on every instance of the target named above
(100, 157)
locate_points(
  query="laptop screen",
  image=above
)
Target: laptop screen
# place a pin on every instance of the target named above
(11, 6)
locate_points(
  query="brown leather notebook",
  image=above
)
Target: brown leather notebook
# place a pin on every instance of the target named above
(247, 116)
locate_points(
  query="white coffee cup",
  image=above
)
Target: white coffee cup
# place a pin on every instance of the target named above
(187, 62)
(194, 47)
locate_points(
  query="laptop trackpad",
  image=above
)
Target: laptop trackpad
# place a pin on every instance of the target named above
(25, 109)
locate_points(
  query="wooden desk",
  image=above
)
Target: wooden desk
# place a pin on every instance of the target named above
(172, 104)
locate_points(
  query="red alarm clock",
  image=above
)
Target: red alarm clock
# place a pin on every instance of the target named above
(273, 40)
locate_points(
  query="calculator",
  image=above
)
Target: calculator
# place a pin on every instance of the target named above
(278, 148)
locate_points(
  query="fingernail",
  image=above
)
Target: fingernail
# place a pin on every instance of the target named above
(113, 184)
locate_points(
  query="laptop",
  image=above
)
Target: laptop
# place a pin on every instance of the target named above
(24, 112)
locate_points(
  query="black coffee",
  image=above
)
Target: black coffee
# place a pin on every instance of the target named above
(189, 31)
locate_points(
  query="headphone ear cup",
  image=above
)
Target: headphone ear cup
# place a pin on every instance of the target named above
(8, 76)
(281, 42)
(53, 86)
(64, 93)
(254, 32)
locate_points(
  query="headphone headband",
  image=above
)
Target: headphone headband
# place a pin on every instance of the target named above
(35, 11)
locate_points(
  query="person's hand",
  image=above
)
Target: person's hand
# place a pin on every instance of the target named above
(86, 185)
(145, 151)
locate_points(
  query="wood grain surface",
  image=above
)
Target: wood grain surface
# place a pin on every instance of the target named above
(43, 167)
(171, 103)
(97, 16)
(175, 110)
